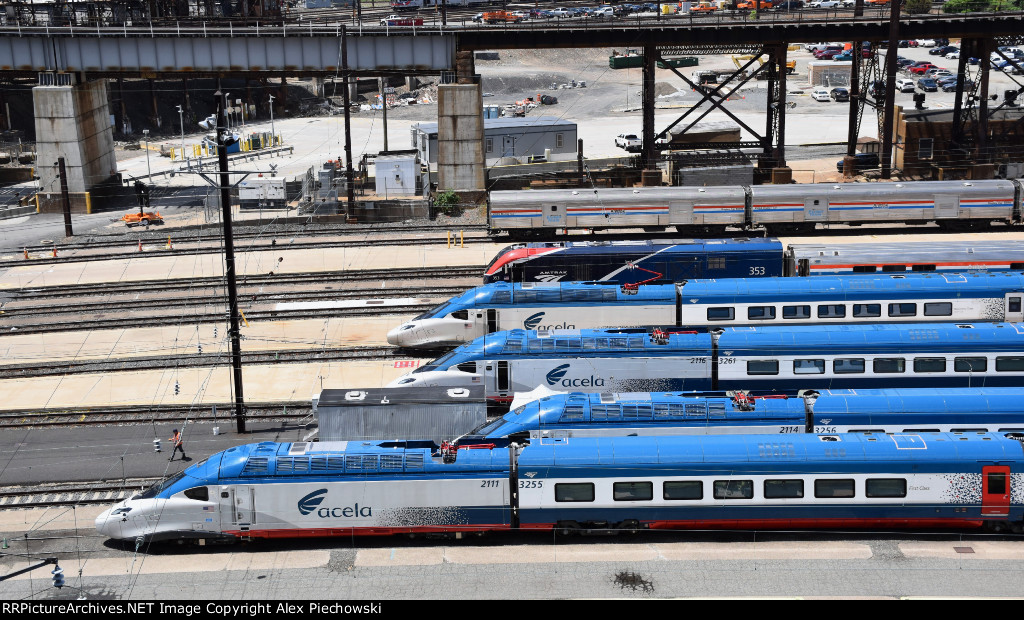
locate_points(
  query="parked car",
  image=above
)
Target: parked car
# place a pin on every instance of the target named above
(948, 87)
(955, 55)
(877, 90)
(824, 4)
(927, 85)
(561, 13)
(902, 63)
(863, 161)
(923, 43)
(921, 68)
(933, 71)
(790, 5)
(905, 85)
(478, 18)
(629, 141)
(942, 50)
(839, 94)
(845, 56)
(828, 54)
(821, 93)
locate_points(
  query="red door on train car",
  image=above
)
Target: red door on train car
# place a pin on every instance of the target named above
(995, 491)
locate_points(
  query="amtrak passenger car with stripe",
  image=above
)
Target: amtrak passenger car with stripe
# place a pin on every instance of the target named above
(700, 304)
(271, 490)
(630, 262)
(829, 411)
(760, 359)
(778, 209)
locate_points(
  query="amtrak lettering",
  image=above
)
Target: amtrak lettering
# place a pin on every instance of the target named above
(557, 374)
(310, 502)
(533, 322)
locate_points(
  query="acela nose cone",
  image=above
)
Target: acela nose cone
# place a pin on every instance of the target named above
(103, 522)
(401, 335)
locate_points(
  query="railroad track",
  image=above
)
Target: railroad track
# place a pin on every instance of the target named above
(247, 282)
(130, 248)
(427, 295)
(200, 360)
(72, 494)
(154, 414)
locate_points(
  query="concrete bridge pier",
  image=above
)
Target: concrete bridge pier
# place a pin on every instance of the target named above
(460, 133)
(73, 122)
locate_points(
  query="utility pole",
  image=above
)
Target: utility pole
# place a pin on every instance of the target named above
(349, 181)
(65, 197)
(384, 109)
(223, 139)
(272, 138)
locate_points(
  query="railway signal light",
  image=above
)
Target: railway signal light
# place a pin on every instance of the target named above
(200, 347)
(58, 576)
(177, 388)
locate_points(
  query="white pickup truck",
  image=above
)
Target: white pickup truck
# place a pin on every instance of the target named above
(628, 141)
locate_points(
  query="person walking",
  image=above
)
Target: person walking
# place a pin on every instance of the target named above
(178, 445)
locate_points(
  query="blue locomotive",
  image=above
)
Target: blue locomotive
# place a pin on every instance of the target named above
(761, 359)
(871, 480)
(701, 304)
(936, 410)
(630, 262)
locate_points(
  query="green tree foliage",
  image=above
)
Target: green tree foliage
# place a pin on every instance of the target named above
(447, 202)
(966, 6)
(915, 7)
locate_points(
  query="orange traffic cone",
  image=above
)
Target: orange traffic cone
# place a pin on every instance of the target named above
(26, 253)
(140, 245)
(169, 246)
(55, 252)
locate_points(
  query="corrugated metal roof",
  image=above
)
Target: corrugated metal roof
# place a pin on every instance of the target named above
(540, 123)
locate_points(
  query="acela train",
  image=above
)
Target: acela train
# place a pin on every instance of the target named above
(872, 480)
(779, 209)
(701, 304)
(631, 262)
(576, 414)
(761, 359)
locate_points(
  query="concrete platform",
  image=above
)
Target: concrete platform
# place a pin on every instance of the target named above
(198, 386)
(182, 339)
(277, 260)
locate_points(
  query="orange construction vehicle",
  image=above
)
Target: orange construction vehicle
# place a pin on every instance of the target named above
(143, 217)
(755, 5)
(704, 8)
(494, 17)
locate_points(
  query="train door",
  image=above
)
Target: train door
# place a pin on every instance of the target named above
(995, 490)
(947, 207)
(681, 214)
(815, 209)
(492, 321)
(554, 215)
(1012, 310)
(503, 379)
(239, 510)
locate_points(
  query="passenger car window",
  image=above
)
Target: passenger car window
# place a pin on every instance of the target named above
(734, 489)
(929, 364)
(683, 489)
(632, 491)
(833, 488)
(861, 311)
(970, 364)
(761, 313)
(778, 489)
(796, 312)
(1009, 364)
(943, 308)
(831, 311)
(721, 314)
(808, 367)
(848, 366)
(574, 492)
(885, 487)
(902, 309)
(763, 367)
(889, 365)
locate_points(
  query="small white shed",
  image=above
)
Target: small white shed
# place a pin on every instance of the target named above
(396, 174)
